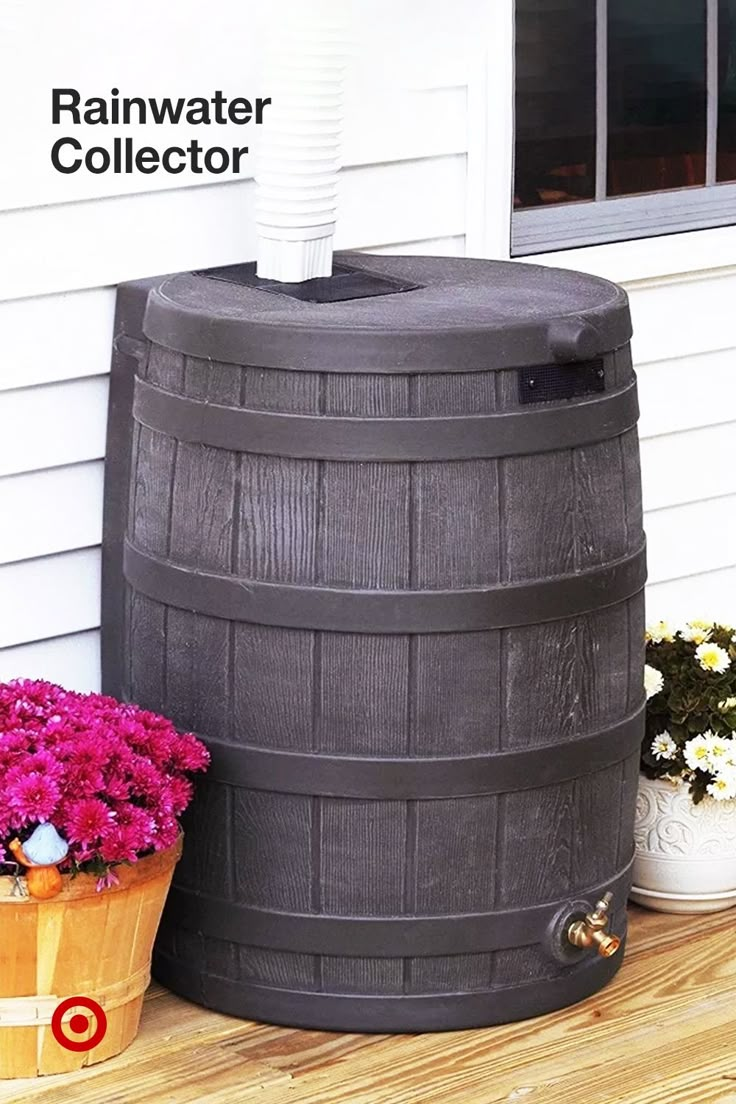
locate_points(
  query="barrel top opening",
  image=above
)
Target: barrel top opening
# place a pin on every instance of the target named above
(465, 315)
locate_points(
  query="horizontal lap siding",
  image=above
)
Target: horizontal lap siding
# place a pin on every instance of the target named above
(126, 237)
(52, 425)
(72, 660)
(711, 595)
(50, 596)
(62, 336)
(55, 510)
(686, 355)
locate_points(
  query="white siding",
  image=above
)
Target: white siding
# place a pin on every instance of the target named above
(110, 240)
(67, 660)
(50, 596)
(685, 352)
(64, 336)
(60, 509)
(54, 424)
(706, 595)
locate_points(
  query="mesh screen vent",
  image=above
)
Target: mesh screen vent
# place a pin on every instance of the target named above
(553, 382)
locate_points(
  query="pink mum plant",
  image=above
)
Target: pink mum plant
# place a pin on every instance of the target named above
(111, 778)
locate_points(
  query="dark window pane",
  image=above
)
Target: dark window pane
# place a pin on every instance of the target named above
(656, 95)
(727, 90)
(555, 101)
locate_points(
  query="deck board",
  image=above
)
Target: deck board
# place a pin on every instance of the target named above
(661, 1033)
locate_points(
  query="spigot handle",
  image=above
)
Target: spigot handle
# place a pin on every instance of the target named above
(600, 912)
(590, 932)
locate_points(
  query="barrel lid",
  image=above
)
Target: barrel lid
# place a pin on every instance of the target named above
(466, 315)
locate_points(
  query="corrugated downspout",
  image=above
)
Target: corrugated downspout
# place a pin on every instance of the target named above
(299, 159)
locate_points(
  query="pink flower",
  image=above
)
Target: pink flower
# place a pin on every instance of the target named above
(120, 844)
(112, 776)
(43, 762)
(116, 788)
(167, 833)
(145, 780)
(83, 754)
(157, 745)
(176, 794)
(14, 745)
(87, 820)
(107, 881)
(190, 754)
(33, 797)
(139, 821)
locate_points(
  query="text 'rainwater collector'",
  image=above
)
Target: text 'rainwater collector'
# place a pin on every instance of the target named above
(68, 154)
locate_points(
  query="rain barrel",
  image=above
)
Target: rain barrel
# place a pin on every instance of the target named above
(378, 540)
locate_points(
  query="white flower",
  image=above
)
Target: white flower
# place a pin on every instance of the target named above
(697, 752)
(712, 658)
(653, 681)
(664, 747)
(729, 759)
(723, 787)
(660, 631)
(719, 751)
(697, 631)
(727, 705)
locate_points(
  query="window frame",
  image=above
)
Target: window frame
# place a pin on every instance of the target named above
(604, 219)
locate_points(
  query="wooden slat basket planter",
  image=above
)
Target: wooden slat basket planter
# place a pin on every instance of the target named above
(81, 943)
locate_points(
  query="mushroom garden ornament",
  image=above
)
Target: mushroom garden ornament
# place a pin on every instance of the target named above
(40, 854)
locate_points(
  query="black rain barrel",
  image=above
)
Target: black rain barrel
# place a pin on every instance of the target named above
(385, 555)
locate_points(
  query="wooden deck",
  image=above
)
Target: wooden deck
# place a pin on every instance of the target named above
(664, 1032)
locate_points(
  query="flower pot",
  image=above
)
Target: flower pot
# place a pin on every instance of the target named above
(685, 859)
(82, 943)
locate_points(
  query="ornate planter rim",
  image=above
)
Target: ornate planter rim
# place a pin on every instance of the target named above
(670, 827)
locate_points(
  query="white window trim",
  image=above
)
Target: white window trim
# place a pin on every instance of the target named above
(490, 186)
(573, 225)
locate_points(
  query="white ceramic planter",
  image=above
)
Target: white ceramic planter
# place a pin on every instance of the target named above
(685, 857)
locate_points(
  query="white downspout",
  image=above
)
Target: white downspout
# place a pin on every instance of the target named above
(299, 159)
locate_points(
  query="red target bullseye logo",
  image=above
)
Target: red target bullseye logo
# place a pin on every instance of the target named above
(78, 1024)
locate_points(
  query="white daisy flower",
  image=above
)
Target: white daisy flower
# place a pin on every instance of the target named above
(712, 658)
(664, 747)
(729, 759)
(727, 705)
(719, 750)
(653, 681)
(723, 787)
(660, 631)
(697, 752)
(697, 631)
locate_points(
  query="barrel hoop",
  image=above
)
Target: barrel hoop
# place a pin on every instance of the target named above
(385, 936)
(334, 609)
(392, 779)
(318, 437)
(375, 1012)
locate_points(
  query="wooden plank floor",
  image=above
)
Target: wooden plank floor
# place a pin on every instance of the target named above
(663, 1032)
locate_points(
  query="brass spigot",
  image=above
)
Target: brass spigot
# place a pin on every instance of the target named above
(591, 930)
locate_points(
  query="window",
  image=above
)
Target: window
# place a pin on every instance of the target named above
(625, 120)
